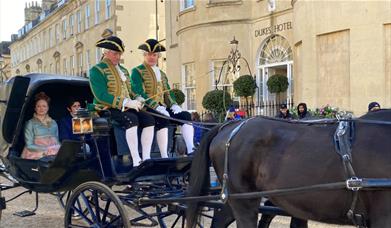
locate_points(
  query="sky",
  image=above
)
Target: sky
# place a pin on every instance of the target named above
(11, 17)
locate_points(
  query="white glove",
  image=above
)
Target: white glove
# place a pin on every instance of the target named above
(162, 110)
(141, 100)
(176, 109)
(134, 104)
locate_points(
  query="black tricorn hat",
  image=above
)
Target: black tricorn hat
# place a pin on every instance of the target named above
(152, 45)
(112, 43)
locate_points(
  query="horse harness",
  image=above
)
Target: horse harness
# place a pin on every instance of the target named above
(224, 190)
(343, 140)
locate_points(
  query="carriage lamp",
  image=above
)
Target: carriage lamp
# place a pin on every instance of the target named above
(82, 122)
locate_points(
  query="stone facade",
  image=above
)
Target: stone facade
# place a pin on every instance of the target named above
(333, 52)
(5, 67)
(5, 61)
(64, 41)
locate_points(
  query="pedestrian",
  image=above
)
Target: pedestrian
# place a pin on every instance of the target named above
(208, 118)
(230, 115)
(302, 111)
(284, 112)
(198, 132)
(373, 107)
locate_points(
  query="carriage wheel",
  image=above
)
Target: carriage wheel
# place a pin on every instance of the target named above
(104, 208)
(63, 197)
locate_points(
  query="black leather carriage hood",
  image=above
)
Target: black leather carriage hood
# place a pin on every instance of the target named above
(15, 92)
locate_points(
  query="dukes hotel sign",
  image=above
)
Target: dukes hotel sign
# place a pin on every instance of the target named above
(273, 29)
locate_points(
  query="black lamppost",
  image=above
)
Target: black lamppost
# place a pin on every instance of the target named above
(157, 19)
(233, 61)
(233, 57)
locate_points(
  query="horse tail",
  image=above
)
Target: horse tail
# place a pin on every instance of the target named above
(199, 176)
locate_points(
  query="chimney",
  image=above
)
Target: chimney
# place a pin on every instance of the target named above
(32, 12)
(14, 37)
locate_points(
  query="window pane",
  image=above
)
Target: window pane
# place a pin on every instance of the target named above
(189, 86)
(189, 75)
(81, 59)
(226, 79)
(71, 25)
(57, 33)
(87, 22)
(64, 29)
(217, 69)
(97, 11)
(98, 55)
(65, 64)
(78, 21)
(191, 99)
(108, 4)
(188, 3)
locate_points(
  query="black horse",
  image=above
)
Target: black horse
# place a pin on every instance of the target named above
(268, 154)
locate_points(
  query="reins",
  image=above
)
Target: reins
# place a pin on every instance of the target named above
(194, 123)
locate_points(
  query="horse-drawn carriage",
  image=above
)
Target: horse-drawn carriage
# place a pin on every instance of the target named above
(278, 155)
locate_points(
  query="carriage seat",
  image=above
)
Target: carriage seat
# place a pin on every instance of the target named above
(49, 169)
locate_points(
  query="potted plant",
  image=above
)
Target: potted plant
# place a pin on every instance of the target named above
(278, 84)
(217, 101)
(245, 87)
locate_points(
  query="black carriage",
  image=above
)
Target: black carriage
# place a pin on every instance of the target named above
(87, 184)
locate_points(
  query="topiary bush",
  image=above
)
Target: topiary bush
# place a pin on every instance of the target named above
(244, 86)
(179, 96)
(277, 83)
(217, 102)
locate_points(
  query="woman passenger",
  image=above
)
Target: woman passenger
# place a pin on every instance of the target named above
(41, 131)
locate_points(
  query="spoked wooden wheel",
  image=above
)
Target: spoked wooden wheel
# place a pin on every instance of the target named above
(104, 208)
(63, 197)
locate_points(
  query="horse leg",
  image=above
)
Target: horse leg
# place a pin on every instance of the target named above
(298, 223)
(222, 217)
(245, 212)
(265, 221)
